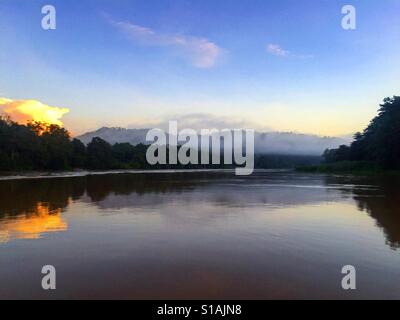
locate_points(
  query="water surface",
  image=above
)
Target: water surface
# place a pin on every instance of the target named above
(205, 235)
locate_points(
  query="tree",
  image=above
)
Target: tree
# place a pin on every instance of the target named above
(20, 146)
(123, 152)
(357, 149)
(57, 145)
(380, 141)
(79, 154)
(100, 154)
(337, 155)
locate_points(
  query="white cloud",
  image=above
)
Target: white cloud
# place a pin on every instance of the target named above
(277, 50)
(201, 52)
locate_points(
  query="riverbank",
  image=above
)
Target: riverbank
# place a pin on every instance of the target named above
(82, 173)
(349, 167)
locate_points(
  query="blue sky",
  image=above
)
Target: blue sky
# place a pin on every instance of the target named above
(276, 65)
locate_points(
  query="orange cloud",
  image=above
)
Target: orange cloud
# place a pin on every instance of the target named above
(23, 111)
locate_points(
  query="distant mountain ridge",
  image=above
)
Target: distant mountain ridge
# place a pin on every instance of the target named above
(116, 135)
(265, 142)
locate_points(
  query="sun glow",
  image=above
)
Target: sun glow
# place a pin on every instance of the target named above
(24, 111)
(32, 225)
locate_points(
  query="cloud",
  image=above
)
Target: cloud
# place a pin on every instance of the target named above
(277, 50)
(24, 111)
(201, 52)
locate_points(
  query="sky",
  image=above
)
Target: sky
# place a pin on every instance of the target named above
(284, 65)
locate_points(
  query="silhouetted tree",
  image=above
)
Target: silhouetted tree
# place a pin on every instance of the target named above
(379, 143)
(79, 155)
(100, 154)
(57, 147)
(380, 140)
(336, 155)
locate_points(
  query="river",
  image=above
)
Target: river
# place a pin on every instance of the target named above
(200, 235)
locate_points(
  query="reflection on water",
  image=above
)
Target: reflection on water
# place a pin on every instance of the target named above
(30, 225)
(31, 207)
(379, 200)
(201, 235)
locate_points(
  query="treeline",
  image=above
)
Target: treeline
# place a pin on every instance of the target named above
(39, 146)
(377, 147)
(284, 161)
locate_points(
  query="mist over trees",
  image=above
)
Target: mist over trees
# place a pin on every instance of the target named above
(282, 143)
(378, 145)
(39, 146)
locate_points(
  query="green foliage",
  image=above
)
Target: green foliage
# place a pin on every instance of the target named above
(336, 155)
(39, 146)
(272, 161)
(57, 147)
(362, 167)
(100, 154)
(381, 139)
(34, 146)
(379, 143)
(78, 155)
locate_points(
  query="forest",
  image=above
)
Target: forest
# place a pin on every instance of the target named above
(39, 146)
(377, 148)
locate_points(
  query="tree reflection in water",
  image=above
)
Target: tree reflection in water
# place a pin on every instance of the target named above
(381, 202)
(31, 207)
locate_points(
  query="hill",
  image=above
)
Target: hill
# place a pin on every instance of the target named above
(265, 142)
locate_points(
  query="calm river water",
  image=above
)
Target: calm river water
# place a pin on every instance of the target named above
(205, 235)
